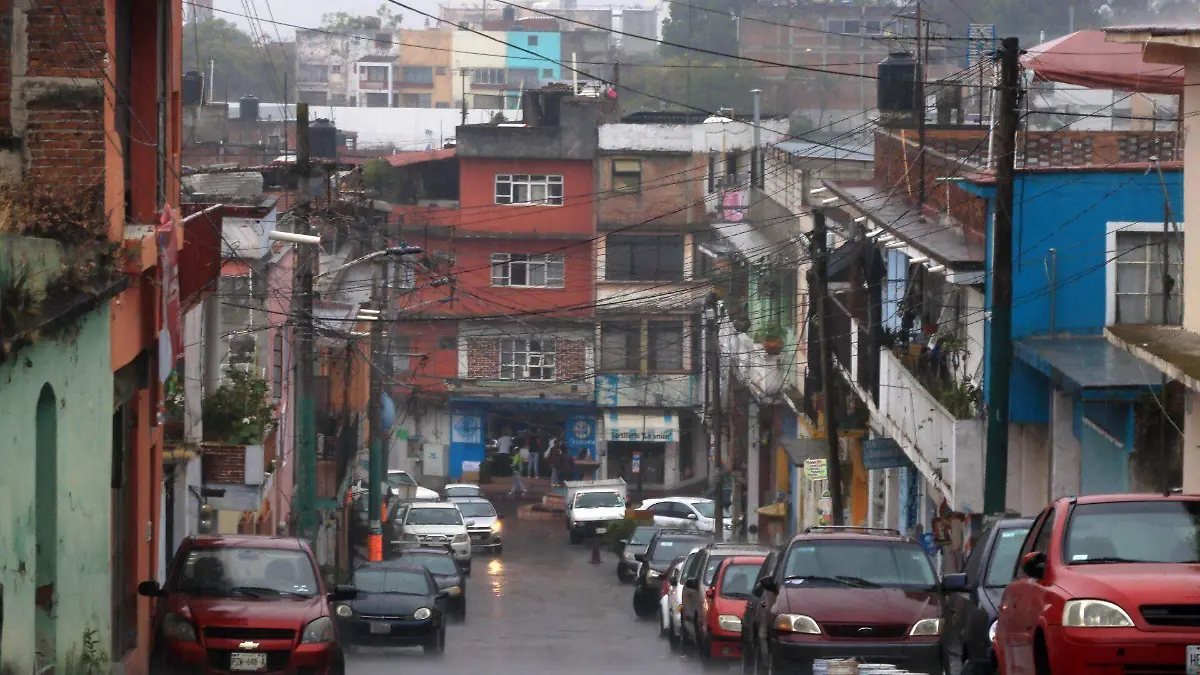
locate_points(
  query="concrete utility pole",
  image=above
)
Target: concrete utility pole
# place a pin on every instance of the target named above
(711, 317)
(375, 464)
(302, 311)
(1000, 333)
(756, 168)
(833, 462)
(462, 73)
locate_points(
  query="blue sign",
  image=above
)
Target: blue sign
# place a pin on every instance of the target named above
(928, 543)
(883, 453)
(981, 43)
(581, 433)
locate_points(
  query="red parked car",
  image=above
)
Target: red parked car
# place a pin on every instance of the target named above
(244, 604)
(725, 604)
(1106, 584)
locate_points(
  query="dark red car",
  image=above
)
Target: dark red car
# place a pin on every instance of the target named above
(243, 604)
(1106, 584)
(725, 604)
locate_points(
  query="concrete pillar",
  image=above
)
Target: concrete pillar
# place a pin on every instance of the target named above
(1191, 442)
(670, 476)
(1066, 452)
(891, 506)
(753, 450)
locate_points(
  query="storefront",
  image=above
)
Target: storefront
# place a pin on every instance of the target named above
(642, 446)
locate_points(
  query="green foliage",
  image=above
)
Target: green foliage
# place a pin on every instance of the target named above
(241, 68)
(708, 24)
(239, 412)
(622, 529)
(378, 175)
(715, 83)
(498, 118)
(771, 331)
(92, 659)
(343, 21)
(962, 399)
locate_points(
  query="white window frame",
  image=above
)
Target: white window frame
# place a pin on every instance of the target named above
(529, 359)
(507, 186)
(553, 269)
(1110, 263)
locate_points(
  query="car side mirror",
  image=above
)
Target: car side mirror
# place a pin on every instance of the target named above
(692, 516)
(692, 584)
(150, 589)
(955, 583)
(443, 594)
(342, 592)
(768, 584)
(757, 591)
(640, 557)
(1034, 564)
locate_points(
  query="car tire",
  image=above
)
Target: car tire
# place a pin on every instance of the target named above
(436, 646)
(641, 609)
(749, 667)
(575, 537)
(499, 549)
(1041, 658)
(623, 576)
(673, 637)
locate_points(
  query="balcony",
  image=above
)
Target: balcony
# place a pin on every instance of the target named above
(372, 85)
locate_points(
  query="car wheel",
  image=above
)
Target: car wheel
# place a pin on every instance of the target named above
(1041, 658)
(623, 576)
(640, 608)
(499, 549)
(576, 538)
(436, 645)
(673, 637)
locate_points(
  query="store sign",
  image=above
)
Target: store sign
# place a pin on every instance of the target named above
(642, 435)
(581, 432)
(626, 427)
(815, 469)
(883, 453)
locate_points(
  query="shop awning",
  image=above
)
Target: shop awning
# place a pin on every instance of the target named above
(1085, 58)
(641, 427)
(1087, 363)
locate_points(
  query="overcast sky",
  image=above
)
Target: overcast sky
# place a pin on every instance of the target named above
(308, 12)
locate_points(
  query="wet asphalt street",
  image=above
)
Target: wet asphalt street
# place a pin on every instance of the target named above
(541, 607)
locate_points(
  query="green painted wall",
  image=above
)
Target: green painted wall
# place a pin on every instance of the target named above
(80, 374)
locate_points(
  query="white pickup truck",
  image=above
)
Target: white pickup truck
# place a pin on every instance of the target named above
(592, 505)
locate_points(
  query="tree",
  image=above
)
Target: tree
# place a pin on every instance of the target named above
(715, 84)
(710, 24)
(343, 21)
(241, 67)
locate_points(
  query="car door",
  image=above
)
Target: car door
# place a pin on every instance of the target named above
(755, 604)
(663, 514)
(961, 605)
(768, 605)
(691, 589)
(1021, 606)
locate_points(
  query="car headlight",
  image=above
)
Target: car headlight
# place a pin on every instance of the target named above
(318, 631)
(926, 627)
(796, 623)
(1094, 614)
(344, 611)
(453, 591)
(461, 538)
(177, 628)
(992, 631)
(496, 526)
(730, 623)
(422, 614)
(651, 574)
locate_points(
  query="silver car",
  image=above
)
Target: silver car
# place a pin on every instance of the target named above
(432, 524)
(483, 524)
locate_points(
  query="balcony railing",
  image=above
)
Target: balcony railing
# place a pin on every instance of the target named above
(374, 85)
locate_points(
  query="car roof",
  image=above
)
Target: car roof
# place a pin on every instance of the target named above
(470, 500)
(433, 505)
(648, 527)
(685, 500)
(245, 540)
(744, 560)
(393, 565)
(1146, 497)
(1010, 523)
(734, 547)
(456, 485)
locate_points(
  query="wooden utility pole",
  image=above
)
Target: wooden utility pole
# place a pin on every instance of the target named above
(919, 83)
(820, 256)
(712, 318)
(302, 310)
(1000, 333)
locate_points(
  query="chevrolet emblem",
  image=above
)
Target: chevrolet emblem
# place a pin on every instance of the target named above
(248, 645)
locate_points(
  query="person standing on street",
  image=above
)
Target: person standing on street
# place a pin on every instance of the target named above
(503, 448)
(518, 486)
(523, 454)
(554, 459)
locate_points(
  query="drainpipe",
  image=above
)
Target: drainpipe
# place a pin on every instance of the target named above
(1052, 273)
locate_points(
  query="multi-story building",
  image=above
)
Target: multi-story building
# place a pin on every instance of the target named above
(495, 65)
(329, 66)
(635, 20)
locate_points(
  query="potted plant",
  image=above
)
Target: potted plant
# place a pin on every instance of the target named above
(240, 411)
(773, 338)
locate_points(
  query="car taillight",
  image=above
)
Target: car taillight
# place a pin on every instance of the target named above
(666, 587)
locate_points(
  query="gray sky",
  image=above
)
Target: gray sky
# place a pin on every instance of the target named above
(308, 12)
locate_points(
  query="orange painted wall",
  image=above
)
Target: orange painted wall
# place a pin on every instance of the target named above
(480, 213)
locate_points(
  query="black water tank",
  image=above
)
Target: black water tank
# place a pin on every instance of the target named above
(193, 88)
(248, 109)
(897, 84)
(322, 139)
(509, 13)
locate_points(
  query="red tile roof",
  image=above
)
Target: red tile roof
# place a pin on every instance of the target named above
(408, 158)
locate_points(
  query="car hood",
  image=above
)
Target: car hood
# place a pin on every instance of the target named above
(866, 605)
(389, 604)
(483, 522)
(449, 530)
(265, 613)
(447, 580)
(598, 513)
(1133, 585)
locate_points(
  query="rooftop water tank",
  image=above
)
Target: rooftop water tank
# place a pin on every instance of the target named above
(248, 109)
(322, 139)
(897, 84)
(193, 88)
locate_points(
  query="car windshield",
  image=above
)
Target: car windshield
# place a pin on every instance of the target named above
(860, 563)
(477, 510)
(595, 500)
(462, 491)
(1166, 531)
(668, 549)
(384, 580)
(400, 478)
(436, 564)
(739, 580)
(417, 516)
(247, 571)
(641, 536)
(1004, 556)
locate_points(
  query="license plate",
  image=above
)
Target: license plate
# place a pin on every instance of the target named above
(380, 628)
(1193, 660)
(601, 530)
(247, 662)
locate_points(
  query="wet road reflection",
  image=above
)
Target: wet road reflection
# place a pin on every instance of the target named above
(540, 608)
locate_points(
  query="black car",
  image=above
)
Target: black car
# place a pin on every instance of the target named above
(398, 605)
(971, 614)
(665, 546)
(445, 572)
(637, 542)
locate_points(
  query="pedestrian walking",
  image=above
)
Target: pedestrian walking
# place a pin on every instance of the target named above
(518, 486)
(522, 466)
(554, 459)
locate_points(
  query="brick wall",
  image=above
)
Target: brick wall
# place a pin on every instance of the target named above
(65, 142)
(224, 464)
(668, 182)
(572, 360)
(483, 359)
(1047, 149)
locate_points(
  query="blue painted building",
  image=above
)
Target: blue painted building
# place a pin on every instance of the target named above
(1086, 254)
(526, 70)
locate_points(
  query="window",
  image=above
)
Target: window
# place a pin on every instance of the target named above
(399, 347)
(1134, 532)
(277, 364)
(335, 68)
(417, 74)
(666, 346)
(441, 104)
(644, 258)
(1139, 278)
(886, 564)
(527, 359)
(547, 73)
(312, 72)
(533, 40)
(383, 40)
(620, 346)
(1004, 556)
(518, 269)
(448, 342)
(377, 100)
(873, 27)
(529, 189)
(523, 77)
(373, 73)
(487, 76)
(852, 27)
(416, 100)
(489, 101)
(627, 175)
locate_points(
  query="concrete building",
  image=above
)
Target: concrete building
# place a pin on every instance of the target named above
(328, 66)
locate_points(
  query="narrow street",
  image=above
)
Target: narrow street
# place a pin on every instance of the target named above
(540, 608)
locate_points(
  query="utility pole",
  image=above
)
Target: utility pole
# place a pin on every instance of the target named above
(756, 156)
(375, 463)
(302, 310)
(712, 316)
(920, 96)
(1000, 333)
(832, 459)
(616, 87)
(462, 73)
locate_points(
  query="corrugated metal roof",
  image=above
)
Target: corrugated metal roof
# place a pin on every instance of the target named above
(241, 184)
(245, 238)
(410, 158)
(841, 150)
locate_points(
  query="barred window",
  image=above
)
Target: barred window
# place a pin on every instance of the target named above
(529, 189)
(518, 269)
(527, 359)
